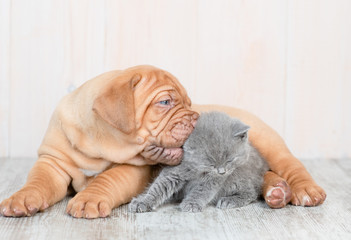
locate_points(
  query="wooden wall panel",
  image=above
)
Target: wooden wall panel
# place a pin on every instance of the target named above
(5, 9)
(160, 33)
(286, 61)
(319, 79)
(241, 57)
(37, 68)
(86, 29)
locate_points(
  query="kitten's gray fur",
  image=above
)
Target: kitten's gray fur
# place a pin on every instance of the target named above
(219, 166)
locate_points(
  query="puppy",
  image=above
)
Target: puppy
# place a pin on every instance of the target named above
(137, 117)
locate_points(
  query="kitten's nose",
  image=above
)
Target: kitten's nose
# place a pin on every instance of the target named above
(221, 170)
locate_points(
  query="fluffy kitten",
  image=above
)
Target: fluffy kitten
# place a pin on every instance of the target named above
(219, 166)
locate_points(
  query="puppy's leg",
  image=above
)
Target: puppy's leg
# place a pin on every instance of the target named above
(276, 191)
(305, 191)
(108, 190)
(46, 184)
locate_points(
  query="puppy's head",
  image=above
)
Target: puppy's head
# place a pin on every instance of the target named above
(151, 106)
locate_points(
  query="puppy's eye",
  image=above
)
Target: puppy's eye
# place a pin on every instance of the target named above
(165, 102)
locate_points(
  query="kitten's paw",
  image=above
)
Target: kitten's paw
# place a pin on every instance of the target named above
(224, 203)
(278, 195)
(232, 202)
(190, 207)
(137, 206)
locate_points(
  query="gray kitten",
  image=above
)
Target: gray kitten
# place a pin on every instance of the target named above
(219, 166)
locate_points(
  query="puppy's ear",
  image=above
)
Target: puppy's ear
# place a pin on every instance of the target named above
(116, 104)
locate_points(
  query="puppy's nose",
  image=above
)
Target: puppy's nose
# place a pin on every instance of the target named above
(221, 170)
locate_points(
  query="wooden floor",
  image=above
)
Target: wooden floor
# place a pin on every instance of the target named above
(332, 220)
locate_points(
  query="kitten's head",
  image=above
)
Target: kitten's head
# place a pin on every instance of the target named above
(218, 145)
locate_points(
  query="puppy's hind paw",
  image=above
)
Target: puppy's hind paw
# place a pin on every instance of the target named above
(278, 195)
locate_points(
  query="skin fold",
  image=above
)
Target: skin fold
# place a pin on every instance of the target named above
(104, 138)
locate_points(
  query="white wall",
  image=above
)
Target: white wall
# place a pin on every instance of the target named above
(289, 62)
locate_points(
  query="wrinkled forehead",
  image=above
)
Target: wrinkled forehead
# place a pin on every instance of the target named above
(154, 80)
(165, 78)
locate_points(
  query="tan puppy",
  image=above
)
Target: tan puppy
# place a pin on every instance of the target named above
(103, 137)
(139, 116)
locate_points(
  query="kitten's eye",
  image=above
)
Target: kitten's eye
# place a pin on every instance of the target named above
(229, 161)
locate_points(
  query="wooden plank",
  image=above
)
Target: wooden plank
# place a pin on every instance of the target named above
(228, 52)
(319, 73)
(85, 48)
(37, 69)
(5, 9)
(157, 32)
(57, 48)
(242, 55)
(256, 221)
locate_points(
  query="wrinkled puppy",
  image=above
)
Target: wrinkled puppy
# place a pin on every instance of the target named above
(135, 117)
(219, 167)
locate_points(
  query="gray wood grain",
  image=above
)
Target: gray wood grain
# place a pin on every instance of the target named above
(256, 221)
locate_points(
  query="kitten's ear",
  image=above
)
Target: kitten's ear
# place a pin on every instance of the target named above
(242, 131)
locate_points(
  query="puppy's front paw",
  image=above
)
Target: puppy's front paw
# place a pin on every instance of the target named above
(25, 202)
(85, 205)
(137, 206)
(190, 207)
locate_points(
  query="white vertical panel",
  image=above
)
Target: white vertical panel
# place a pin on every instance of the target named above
(241, 56)
(5, 9)
(57, 45)
(287, 61)
(85, 41)
(319, 78)
(157, 32)
(37, 67)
